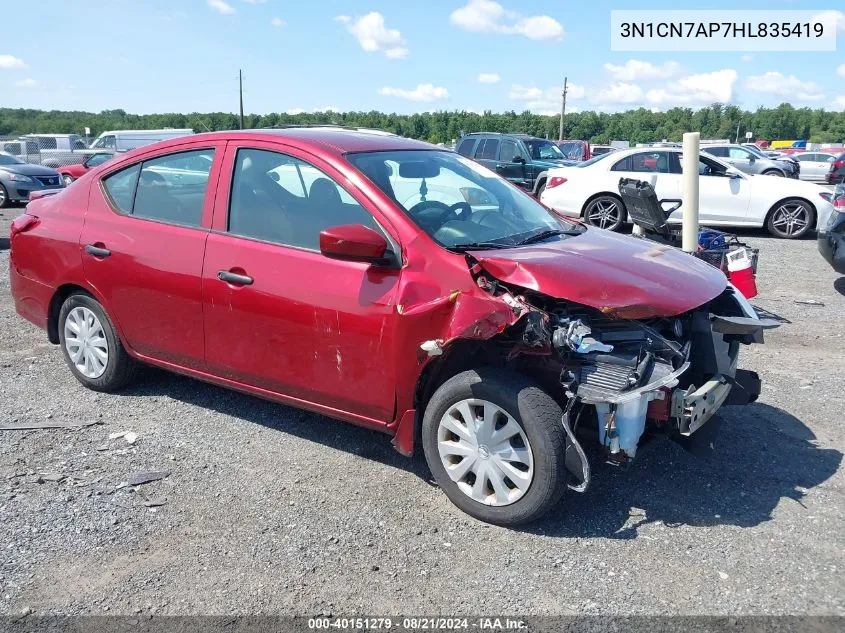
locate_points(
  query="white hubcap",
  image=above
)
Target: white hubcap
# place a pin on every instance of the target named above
(85, 342)
(485, 452)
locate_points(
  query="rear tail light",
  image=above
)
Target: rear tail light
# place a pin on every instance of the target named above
(839, 203)
(22, 224)
(555, 181)
(837, 165)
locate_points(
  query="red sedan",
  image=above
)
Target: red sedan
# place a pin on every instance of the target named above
(391, 284)
(72, 172)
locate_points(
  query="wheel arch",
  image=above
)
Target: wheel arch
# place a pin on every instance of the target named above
(61, 294)
(542, 177)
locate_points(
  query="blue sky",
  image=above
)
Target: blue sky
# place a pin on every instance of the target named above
(396, 56)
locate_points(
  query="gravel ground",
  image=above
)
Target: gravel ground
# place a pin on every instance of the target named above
(275, 511)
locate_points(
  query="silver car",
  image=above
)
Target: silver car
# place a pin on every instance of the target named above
(815, 165)
(750, 162)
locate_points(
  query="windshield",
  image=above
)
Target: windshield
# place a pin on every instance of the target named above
(543, 150)
(755, 150)
(458, 202)
(5, 159)
(572, 150)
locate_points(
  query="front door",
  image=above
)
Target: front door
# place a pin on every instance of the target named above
(278, 314)
(722, 199)
(142, 249)
(653, 167)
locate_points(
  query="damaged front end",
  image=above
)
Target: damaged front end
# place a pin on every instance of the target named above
(671, 373)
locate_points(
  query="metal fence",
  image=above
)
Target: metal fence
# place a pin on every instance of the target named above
(50, 150)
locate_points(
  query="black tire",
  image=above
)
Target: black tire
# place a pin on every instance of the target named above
(120, 367)
(614, 220)
(774, 219)
(4, 197)
(773, 172)
(540, 189)
(537, 414)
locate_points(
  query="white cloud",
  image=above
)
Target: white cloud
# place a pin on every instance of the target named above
(841, 71)
(295, 111)
(486, 16)
(840, 101)
(747, 58)
(831, 17)
(635, 70)
(700, 89)
(373, 36)
(423, 92)
(618, 92)
(327, 109)
(539, 100)
(278, 22)
(255, 1)
(493, 78)
(782, 85)
(26, 83)
(9, 61)
(221, 6)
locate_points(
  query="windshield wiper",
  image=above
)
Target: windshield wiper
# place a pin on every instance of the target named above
(476, 246)
(544, 235)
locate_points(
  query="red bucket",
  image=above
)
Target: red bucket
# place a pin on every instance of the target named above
(741, 273)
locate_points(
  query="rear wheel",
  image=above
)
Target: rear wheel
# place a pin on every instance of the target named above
(67, 179)
(540, 189)
(772, 172)
(495, 443)
(605, 212)
(91, 347)
(790, 219)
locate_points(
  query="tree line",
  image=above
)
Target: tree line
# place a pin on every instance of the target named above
(637, 126)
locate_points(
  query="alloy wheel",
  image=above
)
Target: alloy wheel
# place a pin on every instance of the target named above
(604, 213)
(67, 180)
(791, 219)
(485, 452)
(86, 343)
(2, 196)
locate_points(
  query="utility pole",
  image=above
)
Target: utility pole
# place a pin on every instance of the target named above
(737, 133)
(562, 109)
(241, 92)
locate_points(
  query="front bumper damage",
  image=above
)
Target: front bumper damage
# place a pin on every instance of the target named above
(672, 373)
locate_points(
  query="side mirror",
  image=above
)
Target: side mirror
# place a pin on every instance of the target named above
(732, 173)
(353, 242)
(519, 159)
(752, 159)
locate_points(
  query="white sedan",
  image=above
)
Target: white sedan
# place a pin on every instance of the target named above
(786, 207)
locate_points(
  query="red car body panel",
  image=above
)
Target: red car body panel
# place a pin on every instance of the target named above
(76, 171)
(617, 275)
(337, 337)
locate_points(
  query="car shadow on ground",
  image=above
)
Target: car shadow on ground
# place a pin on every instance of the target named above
(759, 456)
(4, 243)
(839, 285)
(309, 426)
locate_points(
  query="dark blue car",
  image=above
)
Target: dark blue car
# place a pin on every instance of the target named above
(18, 179)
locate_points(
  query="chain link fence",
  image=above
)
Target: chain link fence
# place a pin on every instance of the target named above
(50, 150)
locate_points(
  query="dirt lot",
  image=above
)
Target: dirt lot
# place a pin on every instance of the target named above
(272, 510)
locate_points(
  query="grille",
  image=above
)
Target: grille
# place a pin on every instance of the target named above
(47, 180)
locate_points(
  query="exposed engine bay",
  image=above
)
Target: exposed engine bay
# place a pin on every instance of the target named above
(671, 372)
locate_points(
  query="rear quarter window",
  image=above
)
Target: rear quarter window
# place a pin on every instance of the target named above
(120, 187)
(465, 147)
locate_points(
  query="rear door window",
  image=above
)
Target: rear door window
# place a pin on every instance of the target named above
(120, 187)
(172, 188)
(488, 150)
(508, 152)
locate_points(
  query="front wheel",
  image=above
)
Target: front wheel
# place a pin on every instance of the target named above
(67, 179)
(773, 172)
(91, 347)
(605, 212)
(4, 196)
(790, 219)
(495, 443)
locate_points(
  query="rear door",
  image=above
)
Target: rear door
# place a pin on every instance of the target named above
(142, 248)
(279, 315)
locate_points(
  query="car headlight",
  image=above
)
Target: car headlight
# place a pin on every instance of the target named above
(18, 177)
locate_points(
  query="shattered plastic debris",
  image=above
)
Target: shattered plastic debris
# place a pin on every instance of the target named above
(154, 502)
(809, 302)
(52, 477)
(117, 436)
(577, 338)
(146, 477)
(131, 437)
(433, 347)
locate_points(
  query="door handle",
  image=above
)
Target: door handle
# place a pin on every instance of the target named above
(234, 278)
(97, 251)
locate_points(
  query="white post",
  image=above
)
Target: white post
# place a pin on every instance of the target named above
(689, 194)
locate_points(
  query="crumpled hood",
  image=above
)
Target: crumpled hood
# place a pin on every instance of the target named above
(626, 276)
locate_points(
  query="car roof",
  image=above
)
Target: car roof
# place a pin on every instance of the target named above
(332, 140)
(525, 137)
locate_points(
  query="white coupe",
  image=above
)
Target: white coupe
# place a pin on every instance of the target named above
(786, 207)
